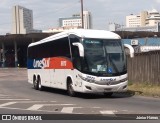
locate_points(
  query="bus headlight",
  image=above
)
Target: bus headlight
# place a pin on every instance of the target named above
(123, 80)
(86, 79)
(89, 80)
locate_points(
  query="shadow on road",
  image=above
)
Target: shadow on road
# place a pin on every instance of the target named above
(127, 94)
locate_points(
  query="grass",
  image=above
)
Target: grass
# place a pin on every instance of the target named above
(144, 89)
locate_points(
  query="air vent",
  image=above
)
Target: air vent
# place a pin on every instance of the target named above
(134, 42)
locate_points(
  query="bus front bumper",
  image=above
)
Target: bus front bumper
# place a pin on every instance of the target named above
(96, 88)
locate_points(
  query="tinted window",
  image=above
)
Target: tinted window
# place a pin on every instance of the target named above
(75, 52)
(55, 48)
(59, 47)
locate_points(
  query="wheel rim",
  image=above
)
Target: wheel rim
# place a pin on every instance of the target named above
(70, 89)
(35, 84)
(39, 84)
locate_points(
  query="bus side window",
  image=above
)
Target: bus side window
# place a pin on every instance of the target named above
(75, 53)
(59, 48)
(76, 58)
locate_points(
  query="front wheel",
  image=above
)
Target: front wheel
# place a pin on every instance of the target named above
(70, 90)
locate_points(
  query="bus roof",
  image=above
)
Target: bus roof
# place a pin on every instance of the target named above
(85, 33)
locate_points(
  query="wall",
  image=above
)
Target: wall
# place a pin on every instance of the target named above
(144, 67)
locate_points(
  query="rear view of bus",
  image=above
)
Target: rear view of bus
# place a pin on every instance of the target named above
(95, 62)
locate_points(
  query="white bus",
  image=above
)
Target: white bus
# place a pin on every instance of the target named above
(86, 61)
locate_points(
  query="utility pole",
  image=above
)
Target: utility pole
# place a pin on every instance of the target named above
(82, 14)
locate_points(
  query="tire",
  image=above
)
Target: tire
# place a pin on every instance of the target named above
(40, 87)
(35, 83)
(108, 94)
(70, 90)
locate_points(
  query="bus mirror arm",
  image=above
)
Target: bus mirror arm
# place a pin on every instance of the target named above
(81, 48)
(131, 50)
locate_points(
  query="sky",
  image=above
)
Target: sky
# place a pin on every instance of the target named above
(47, 12)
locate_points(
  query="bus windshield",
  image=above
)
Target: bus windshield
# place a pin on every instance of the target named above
(104, 57)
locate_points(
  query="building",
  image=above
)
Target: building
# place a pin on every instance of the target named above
(145, 21)
(136, 20)
(87, 20)
(153, 18)
(114, 26)
(13, 48)
(145, 18)
(60, 29)
(118, 27)
(133, 21)
(76, 21)
(22, 21)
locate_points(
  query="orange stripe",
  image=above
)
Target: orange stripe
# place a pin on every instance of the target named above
(59, 63)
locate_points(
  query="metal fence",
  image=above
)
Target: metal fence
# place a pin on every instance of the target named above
(144, 67)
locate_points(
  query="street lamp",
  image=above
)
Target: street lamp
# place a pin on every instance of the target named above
(82, 14)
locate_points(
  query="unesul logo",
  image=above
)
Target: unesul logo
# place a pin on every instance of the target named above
(41, 63)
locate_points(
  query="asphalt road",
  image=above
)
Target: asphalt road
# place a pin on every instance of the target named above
(17, 96)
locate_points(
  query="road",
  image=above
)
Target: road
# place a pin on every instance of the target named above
(17, 96)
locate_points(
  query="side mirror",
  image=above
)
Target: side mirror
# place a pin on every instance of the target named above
(81, 48)
(131, 50)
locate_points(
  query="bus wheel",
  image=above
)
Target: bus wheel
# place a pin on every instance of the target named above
(70, 88)
(35, 83)
(108, 94)
(40, 87)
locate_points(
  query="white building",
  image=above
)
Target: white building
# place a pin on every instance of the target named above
(87, 20)
(22, 20)
(145, 18)
(59, 29)
(136, 20)
(145, 21)
(76, 21)
(114, 26)
(153, 18)
(133, 21)
(118, 27)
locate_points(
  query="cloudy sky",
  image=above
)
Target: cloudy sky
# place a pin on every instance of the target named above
(47, 12)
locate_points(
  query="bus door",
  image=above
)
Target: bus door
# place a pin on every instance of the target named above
(52, 78)
(58, 74)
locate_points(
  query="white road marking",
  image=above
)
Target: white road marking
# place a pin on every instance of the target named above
(67, 110)
(52, 101)
(35, 107)
(125, 110)
(6, 97)
(34, 110)
(27, 109)
(2, 95)
(38, 106)
(107, 112)
(14, 99)
(58, 104)
(33, 101)
(7, 104)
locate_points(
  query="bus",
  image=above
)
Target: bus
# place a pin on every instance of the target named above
(80, 60)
